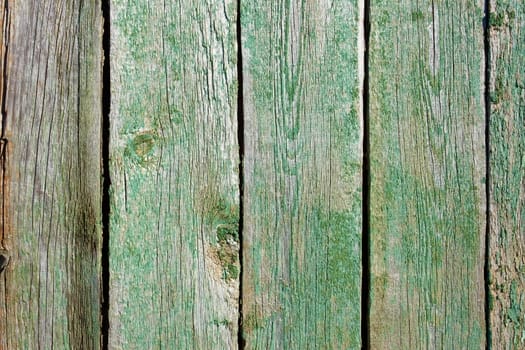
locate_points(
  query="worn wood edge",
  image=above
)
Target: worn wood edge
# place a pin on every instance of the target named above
(507, 135)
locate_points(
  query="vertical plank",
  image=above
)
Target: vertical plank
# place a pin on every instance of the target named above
(174, 170)
(302, 170)
(427, 123)
(507, 180)
(51, 193)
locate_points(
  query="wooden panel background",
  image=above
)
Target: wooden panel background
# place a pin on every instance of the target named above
(51, 175)
(174, 170)
(175, 219)
(428, 165)
(302, 169)
(507, 180)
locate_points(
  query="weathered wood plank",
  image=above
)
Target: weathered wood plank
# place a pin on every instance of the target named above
(51, 194)
(507, 180)
(174, 173)
(428, 203)
(302, 170)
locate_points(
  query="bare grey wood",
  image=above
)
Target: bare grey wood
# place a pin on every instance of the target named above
(50, 170)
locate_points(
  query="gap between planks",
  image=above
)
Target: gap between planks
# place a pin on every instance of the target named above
(106, 109)
(486, 267)
(364, 45)
(241, 342)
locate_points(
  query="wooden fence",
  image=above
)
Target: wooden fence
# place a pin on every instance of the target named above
(270, 174)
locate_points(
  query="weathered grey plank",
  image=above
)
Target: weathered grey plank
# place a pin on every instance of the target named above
(51, 193)
(302, 169)
(427, 123)
(507, 180)
(174, 173)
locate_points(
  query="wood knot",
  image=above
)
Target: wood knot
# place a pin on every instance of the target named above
(141, 149)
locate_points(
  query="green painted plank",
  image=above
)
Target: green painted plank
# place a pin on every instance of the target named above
(427, 141)
(507, 180)
(51, 185)
(174, 172)
(302, 174)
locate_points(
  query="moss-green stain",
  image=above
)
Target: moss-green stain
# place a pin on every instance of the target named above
(515, 313)
(497, 19)
(223, 323)
(496, 95)
(224, 217)
(231, 272)
(502, 18)
(417, 15)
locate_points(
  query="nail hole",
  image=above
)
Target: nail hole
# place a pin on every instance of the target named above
(4, 260)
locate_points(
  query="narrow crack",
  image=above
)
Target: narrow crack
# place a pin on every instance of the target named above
(3, 138)
(6, 30)
(241, 342)
(106, 107)
(365, 278)
(486, 42)
(4, 157)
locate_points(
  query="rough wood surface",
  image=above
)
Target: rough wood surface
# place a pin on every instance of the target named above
(51, 193)
(428, 203)
(302, 170)
(507, 180)
(174, 173)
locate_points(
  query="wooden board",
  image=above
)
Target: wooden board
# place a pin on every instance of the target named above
(174, 279)
(302, 174)
(51, 63)
(428, 167)
(507, 180)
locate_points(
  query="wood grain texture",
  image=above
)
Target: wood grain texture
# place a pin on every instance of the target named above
(507, 180)
(51, 193)
(302, 169)
(174, 170)
(428, 202)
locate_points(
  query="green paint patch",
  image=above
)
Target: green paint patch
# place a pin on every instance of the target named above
(223, 323)
(176, 116)
(435, 82)
(497, 20)
(226, 231)
(224, 218)
(511, 14)
(499, 90)
(502, 19)
(515, 314)
(231, 272)
(417, 15)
